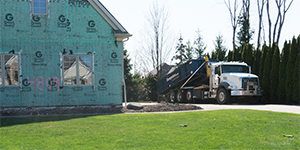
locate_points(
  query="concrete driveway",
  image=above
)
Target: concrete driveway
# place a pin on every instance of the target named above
(275, 108)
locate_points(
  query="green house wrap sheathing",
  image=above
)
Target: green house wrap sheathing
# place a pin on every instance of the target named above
(70, 28)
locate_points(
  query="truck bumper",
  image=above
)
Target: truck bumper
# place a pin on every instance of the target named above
(246, 93)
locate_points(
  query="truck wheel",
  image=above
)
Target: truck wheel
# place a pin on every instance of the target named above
(179, 96)
(223, 96)
(189, 96)
(172, 97)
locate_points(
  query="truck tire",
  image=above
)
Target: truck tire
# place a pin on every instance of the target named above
(179, 97)
(189, 96)
(223, 96)
(172, 97)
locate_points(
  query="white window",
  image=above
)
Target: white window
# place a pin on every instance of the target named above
(9, 70)
(39, 7)
(77, 70)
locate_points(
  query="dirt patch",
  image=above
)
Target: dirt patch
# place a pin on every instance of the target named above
(136, 108)
(66, 110)
(103, 109)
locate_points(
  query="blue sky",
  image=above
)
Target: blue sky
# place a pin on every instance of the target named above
(211, 17)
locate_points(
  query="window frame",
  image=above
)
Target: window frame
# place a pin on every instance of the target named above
(19, 75)
(32, 8)
(77, 70)
(217, 70)
(232, 66)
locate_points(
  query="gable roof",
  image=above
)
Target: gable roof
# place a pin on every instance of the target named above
(120, 32)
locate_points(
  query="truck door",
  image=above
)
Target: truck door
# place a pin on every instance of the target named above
(216, 77)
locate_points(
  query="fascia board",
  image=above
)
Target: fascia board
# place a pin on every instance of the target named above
(122, 36)
(107, 15)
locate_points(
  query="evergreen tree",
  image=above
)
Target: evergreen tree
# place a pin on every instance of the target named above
(180, 56)
(237, 55)
(296, 77)
(243, 48)
(128, 77)
(189, 50)
(265, 49)
(282, 72)
(229, 56)
(200, 46)
(296, 83)
(214, 55)
(136, 90)
(256, 63)
(234, 54)
(220, 49)
(127, 67)
(274, 76)
(290, 71)
(272, 49)
(266, 76)
(245, 34)
(134, 83)
(150, 88)
(208, 55)
(249, 54)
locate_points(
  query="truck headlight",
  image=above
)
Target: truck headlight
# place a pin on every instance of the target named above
(232, 87)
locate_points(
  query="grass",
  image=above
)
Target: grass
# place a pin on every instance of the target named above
(222, 129)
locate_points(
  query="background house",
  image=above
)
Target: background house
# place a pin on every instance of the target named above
(59, 53)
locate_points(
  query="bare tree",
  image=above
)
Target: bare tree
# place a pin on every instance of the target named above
(282, 10)
(281, 14)
(269, 21)
(156, 44)
(260, 7)
(246, 7)
(233, 15)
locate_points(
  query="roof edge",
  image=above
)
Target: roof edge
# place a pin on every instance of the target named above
(122, 36)
(108, 17)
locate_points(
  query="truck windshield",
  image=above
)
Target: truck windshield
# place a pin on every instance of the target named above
(235, 69)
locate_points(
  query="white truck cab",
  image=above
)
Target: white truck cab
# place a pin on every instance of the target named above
(232, 79)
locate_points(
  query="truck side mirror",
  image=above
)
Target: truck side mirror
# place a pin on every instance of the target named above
(250, 69)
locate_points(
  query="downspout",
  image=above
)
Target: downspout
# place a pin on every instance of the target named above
(20, 69)
(124, 83)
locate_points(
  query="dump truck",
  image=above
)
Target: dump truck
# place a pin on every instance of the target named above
(205, 79)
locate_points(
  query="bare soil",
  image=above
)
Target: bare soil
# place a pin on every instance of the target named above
(167, 107)
(130, 108)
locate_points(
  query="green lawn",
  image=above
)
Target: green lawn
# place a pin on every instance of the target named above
(222, 129)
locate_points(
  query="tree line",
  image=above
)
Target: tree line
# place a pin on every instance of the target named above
(278, 72)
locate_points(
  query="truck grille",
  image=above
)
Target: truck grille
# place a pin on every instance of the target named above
(253, 81)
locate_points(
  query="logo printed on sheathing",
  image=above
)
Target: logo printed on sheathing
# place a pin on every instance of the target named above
(102, 85)
(114, 61)
(38, 60)
(92, 23)
(9, 20)
(25, 87)
(9, 17)
(36, 22)
(63, 22)
(102, 82)
(114, 55)
(38, 54)
(91, 28)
